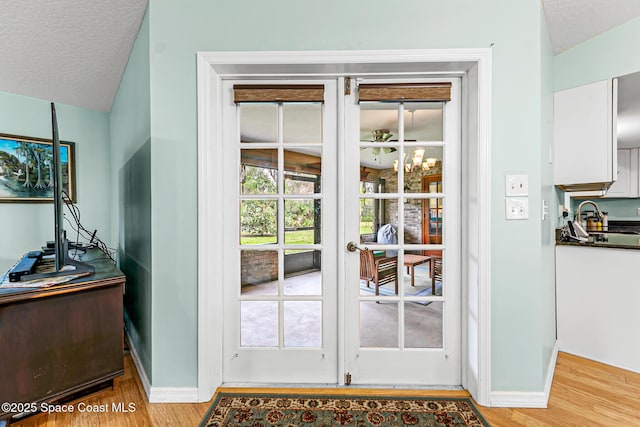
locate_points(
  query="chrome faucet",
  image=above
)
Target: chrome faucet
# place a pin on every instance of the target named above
(588, 202)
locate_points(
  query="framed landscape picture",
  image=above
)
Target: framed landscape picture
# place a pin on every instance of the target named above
(26, 169)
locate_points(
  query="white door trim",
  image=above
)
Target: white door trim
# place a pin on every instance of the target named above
(212, 67)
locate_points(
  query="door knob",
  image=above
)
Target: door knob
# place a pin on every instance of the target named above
(353, 246)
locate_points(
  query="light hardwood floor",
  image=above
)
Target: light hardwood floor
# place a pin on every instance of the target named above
(128, 390)
(584, 393)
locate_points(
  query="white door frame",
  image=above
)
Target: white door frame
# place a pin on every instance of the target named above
(474, 65)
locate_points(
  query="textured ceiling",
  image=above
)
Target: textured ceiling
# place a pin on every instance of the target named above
(75, 51)
(572, 22)
(67, 51)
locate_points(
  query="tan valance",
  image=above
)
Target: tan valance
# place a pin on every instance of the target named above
(405, 92)
(278, 93)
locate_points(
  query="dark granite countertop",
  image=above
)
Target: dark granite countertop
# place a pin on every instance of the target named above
(607, 240)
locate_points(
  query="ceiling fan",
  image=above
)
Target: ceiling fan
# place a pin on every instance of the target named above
(381, 135)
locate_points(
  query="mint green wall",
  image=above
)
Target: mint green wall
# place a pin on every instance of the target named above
(130, 125)
(611, 54)
(177, 32)
(27, 226)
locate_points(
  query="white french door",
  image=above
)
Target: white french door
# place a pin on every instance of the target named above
(402, 206)
(280, 236)
(303, 178)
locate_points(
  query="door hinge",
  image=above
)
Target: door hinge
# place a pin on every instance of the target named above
(347, 85)
(347, 379)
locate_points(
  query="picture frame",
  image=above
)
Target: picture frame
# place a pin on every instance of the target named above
(26, 168)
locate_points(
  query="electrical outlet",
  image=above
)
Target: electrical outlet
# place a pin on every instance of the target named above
(517, 208)
(638, 211)
(517, 185)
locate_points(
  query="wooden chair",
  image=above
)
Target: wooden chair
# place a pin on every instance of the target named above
(380, 270)
(436, 274)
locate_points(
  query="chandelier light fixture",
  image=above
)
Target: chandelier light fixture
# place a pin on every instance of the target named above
(418, 161)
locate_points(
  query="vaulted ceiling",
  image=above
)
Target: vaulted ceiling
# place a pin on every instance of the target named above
(75, 51)
(68, 51)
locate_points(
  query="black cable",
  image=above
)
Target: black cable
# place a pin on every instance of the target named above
(81, 230)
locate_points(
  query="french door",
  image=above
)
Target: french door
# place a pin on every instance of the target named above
(308, 169)
(406, 331)
(280, 237)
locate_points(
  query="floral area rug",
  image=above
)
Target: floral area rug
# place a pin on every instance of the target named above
(288, 410)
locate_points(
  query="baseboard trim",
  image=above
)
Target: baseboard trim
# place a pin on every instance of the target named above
(528, 399)
(551, 371)
(142, 374)
(161, 394)
(173, 395)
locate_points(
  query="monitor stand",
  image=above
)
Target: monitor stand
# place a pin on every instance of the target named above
(73, 267)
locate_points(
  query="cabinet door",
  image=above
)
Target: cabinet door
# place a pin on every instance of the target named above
(627, 183)
(584, 120)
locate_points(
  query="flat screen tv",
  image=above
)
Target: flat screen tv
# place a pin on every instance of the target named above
(64, 264)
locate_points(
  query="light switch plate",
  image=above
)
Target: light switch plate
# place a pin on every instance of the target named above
(516, 185)
(517, 208)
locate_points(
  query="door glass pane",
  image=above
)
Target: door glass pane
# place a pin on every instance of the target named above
(259, 323)
(427, 164)
(302, 272)
(379, 324)
(423, 121)
(259, 122)
(423, 324)
(378, 167)
(378, 121)
(413, 223)
(259, 171)
(302, 221)
(375, 218)
(423, 221)
(417, 274)
(258, 222)
(379, 273)
(302, 170)
(302, 324)
(368, 225)
(302, 122)
(259, 272)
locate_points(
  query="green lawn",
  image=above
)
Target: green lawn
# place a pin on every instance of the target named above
(300, 237)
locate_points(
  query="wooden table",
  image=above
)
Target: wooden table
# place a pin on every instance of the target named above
(410, 261)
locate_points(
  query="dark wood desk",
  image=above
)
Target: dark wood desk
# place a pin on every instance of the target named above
(61, 340)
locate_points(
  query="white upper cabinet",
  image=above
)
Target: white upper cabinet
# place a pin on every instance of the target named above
(627, 183)
(584, 137)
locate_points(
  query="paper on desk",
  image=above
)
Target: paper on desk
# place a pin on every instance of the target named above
(40, 283)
